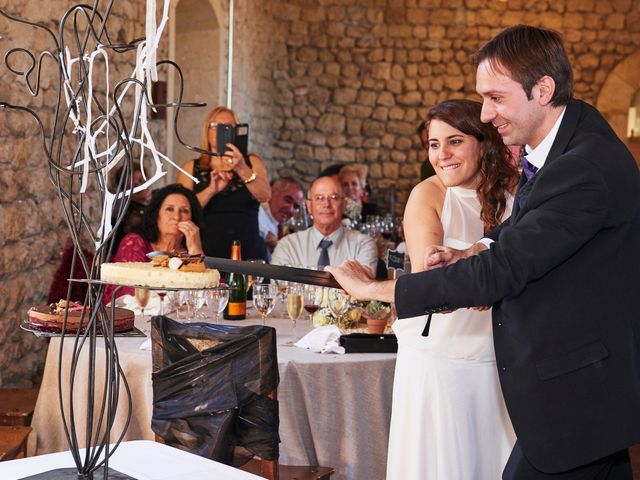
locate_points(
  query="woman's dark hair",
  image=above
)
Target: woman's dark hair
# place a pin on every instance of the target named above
(498, 175)
(149, 226)
(526, 54)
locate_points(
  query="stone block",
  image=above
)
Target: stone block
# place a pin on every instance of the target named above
(358, 111)
(372, 128)
(331, 123)
(401, 128)
(354, 126)
(397, 72)
(410, 98)
(391, 170)
(336, 141)
(344, 96)
(385, 98)
(315, 138)
(380, 113)
(580, 5)
(615, 21)
(388, 140)
(343, 155)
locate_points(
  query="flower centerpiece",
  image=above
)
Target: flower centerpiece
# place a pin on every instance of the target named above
(353, 211)
(346, 321)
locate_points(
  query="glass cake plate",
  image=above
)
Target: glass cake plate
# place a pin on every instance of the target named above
(24, 325)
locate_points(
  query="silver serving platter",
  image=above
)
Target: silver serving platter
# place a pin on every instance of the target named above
(24, 325)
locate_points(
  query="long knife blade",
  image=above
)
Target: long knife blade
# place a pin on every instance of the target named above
(278, 272)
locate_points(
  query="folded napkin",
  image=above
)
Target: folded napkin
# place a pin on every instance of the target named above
(129, 301)
(322, 339)
(146, 345)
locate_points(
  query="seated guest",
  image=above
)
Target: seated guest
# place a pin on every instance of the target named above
(353, 181)
(60, 285)
(171, 222)
(326, 242)
(286, 197)
(135, 210)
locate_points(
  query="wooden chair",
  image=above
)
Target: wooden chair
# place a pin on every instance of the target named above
(13, 442)
(17, 405)
(188, 347)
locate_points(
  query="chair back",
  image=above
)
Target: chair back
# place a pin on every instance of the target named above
(211, 389)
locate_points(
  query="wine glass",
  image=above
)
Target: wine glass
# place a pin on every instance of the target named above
(142, 296)
(295, 304)
(312, 299)
(339, 302)
(198, 299)
(256, 278)
(264, 299)
(218, 299)
(161, 295)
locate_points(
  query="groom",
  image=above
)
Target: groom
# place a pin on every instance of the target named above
(561, 273)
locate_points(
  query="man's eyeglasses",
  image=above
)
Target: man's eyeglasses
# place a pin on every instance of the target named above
(334, 197)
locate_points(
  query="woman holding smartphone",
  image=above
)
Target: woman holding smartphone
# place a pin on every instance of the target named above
(230, 191)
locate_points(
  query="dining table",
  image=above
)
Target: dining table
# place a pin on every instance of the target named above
(335, 409)
(141, 459)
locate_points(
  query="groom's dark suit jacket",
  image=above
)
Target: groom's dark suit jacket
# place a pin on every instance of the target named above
(563, 277)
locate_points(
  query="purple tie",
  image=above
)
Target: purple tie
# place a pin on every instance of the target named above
(528, 169)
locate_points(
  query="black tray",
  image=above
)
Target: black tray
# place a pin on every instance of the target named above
(369, 343)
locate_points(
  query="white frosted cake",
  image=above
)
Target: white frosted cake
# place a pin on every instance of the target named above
(149, 274)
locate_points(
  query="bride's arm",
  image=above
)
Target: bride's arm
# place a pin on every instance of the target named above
(422, 224)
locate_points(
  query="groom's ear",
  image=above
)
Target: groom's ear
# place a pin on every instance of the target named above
(543, 90)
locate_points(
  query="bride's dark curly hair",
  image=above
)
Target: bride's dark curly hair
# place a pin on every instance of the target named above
(498, 175)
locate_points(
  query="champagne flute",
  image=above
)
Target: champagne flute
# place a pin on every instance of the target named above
(312, 299)
(142, 296)
(295, 304)
(264, 299)
(219, 298)
(161, 295)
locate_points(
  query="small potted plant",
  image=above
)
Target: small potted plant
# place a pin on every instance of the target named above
(377, 314)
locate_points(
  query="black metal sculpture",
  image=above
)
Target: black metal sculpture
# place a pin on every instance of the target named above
(93, 130)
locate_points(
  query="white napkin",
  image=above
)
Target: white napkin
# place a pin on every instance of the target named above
(322, 339)
(152, 308)
(146, 345)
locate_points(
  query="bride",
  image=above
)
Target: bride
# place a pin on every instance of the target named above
(448, 419)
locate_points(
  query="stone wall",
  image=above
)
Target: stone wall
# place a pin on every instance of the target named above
(33, 231)
(357, 76)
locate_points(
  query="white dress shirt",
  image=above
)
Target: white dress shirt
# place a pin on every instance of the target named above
(266, 222)
(300, 249)
(537, 156)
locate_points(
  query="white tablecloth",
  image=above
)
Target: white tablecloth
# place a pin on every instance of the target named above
(335, 410)
(143, 460)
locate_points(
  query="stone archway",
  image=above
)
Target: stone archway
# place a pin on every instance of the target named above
(197, 42)
(616, 96)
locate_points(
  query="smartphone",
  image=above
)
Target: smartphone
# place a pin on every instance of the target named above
(238, 135)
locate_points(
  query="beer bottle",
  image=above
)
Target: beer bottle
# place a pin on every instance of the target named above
(236, 309)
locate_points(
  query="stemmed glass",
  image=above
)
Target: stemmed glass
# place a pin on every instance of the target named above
(161, 295)
(198, 299)
(218, 299)
(142, 296)
(339, 302)
(312, 299)
(295, 303)
(254, 279)
(264, 299)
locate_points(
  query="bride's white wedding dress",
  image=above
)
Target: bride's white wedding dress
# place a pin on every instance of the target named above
(449, 421)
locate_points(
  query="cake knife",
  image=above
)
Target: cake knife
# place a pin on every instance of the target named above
(278, 272)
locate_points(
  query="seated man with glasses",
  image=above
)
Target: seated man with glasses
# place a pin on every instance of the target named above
(327, 241)
(286, 197)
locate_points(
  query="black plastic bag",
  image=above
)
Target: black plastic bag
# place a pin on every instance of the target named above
(210, 389)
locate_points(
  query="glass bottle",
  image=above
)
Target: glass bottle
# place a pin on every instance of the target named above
(236, 308)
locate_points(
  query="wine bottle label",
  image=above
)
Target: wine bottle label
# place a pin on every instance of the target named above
(237, 308)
